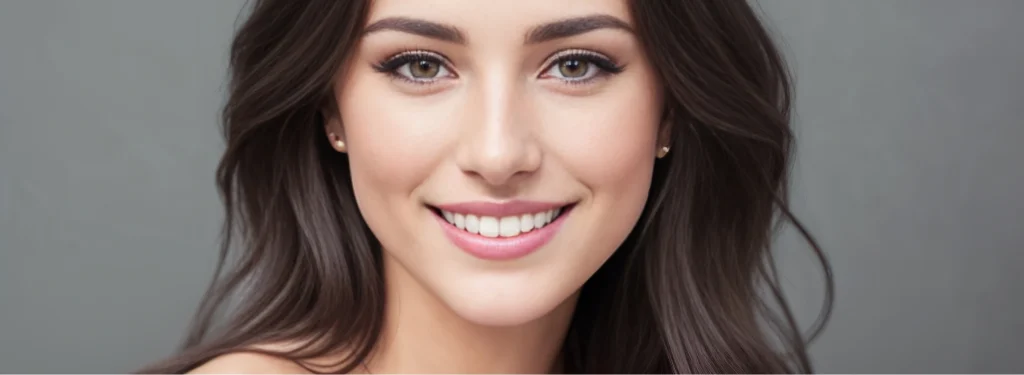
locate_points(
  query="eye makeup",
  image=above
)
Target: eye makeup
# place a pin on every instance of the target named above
(569, 66)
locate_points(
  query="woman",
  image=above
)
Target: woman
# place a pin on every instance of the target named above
(517, 187)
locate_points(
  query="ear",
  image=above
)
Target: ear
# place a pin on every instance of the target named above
(664, 143)
(333, 128)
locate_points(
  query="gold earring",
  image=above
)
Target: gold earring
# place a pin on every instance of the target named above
(338, 143)
(662, 152)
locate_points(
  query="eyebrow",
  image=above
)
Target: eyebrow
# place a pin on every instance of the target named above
(423, 28)
(574, 26)
(550, 31)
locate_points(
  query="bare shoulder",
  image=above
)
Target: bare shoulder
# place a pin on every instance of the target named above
(249, 363)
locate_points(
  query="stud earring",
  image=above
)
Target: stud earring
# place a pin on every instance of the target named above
(662, 152)
(338, 143)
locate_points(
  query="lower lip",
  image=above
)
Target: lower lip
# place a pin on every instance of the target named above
(503, 248)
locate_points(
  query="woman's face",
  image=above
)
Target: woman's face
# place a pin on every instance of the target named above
(500, 151)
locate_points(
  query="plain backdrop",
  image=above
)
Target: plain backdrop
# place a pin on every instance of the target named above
(909, 115)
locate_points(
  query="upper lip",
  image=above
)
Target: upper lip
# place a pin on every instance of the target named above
(500, 209)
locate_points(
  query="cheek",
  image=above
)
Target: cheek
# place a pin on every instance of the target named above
(608, 146)
(393, 147)
(608, 142)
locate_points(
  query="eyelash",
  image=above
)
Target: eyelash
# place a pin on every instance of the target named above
(391, 65)
(604, 64)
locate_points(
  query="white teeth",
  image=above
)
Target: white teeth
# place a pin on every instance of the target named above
(472, 224)
(460, 221)
(488, 226)
(526, 223)
(508, 226)
(540, 220)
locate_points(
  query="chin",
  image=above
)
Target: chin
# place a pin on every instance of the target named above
(505, 307)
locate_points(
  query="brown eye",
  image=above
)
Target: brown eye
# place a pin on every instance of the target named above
(573, 68)
(424, 69)
(577, 66)
(416, 66)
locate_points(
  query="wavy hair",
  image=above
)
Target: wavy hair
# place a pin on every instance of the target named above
(691, 290)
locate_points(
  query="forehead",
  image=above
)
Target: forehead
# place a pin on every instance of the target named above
(486, 19)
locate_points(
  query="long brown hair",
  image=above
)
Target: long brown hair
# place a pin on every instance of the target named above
(692, 289)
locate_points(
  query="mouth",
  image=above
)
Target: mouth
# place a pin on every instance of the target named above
(501, 232)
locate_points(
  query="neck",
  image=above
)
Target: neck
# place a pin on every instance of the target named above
(422, 335)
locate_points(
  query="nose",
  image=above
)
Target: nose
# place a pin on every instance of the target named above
(498, 144)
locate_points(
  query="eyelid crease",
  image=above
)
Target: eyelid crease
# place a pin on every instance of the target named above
(578, 52)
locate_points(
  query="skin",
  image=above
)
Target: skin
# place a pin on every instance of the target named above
(499, 121)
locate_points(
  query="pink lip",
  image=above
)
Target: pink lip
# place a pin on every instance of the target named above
(503, 248)
(510, 208)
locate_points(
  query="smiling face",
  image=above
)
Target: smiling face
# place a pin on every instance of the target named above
(499, 151)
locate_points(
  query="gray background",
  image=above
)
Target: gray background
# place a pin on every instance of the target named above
(910, 123)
